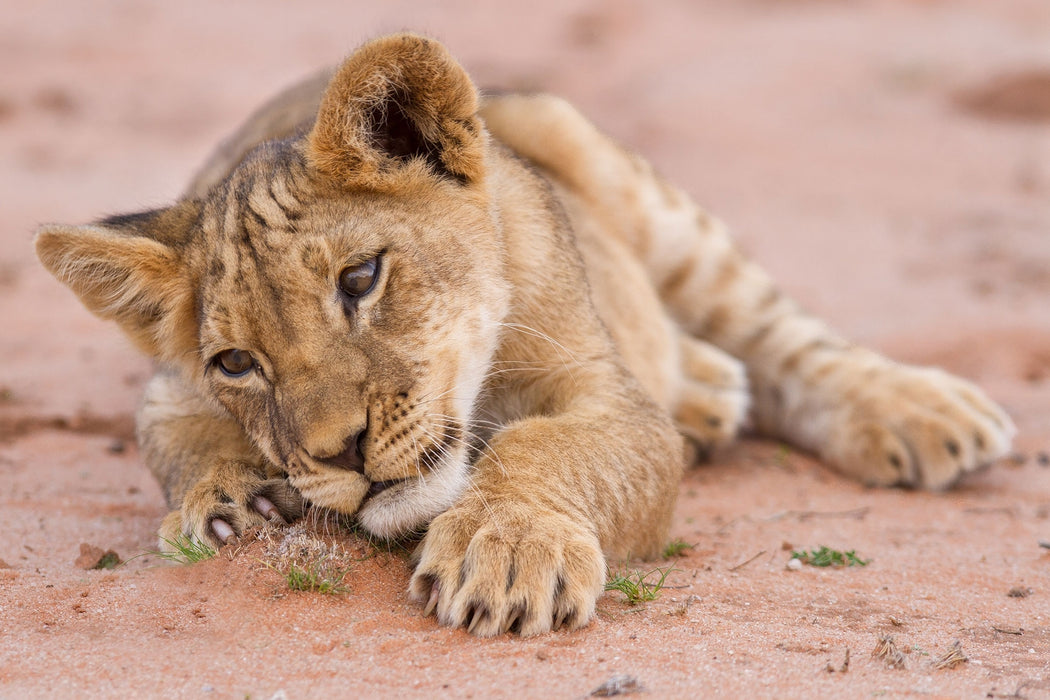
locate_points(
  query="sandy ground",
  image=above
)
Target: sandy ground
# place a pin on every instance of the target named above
(888, 161)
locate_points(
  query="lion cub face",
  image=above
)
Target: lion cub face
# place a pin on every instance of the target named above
(340, 293)
(349, 332)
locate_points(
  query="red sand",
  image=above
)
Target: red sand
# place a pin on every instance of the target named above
(888, 161)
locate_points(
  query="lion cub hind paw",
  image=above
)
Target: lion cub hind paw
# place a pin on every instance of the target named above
(713, 399)
(217, 513)
(527, 575)
(925, 428)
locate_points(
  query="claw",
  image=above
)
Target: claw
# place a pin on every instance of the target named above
(478, 616)
(514, 616)
(435, 591)
(559, 620)
(268, 510)
(223, 531)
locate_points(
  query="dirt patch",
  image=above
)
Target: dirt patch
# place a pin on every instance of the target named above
(14, 425)
(1022, 96)
(55, 101)
(92, 557)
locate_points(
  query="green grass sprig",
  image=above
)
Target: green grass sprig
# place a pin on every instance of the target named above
(637, 586)
(676, 548)
(825, 556)
(314, 577)
(185, 550)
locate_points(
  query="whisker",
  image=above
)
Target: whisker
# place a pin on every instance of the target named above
(415, 462)
(484, 449)
(530, 331)
(475, 421)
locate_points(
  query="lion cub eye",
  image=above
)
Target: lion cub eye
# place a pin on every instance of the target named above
(357, 280)
(235, 363)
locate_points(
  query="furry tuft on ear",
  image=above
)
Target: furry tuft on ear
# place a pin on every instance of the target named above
(398, 100)
(125, 269)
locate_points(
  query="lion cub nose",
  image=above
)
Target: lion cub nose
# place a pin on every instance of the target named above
(351, 458)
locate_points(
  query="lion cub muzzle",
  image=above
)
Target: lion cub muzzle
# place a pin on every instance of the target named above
(351, 458)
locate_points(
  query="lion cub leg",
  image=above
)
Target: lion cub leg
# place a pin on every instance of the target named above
(217, 484)
(552, 497)
(876, 420)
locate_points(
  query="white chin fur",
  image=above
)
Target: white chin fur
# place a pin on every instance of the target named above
(406, 507)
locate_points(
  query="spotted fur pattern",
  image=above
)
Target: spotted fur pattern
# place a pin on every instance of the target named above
(544, 319)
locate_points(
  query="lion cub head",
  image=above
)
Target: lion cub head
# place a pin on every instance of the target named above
(339, 293)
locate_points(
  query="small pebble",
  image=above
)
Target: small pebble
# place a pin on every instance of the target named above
(618, 685)
(794, 564)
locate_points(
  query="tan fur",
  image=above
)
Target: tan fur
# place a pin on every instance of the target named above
(547, 312)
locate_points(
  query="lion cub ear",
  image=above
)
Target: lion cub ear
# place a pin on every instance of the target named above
(398, 101)
(129, 269)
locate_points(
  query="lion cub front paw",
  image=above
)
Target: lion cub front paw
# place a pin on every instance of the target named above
(508, 569)
(230, 500)
(916, 427)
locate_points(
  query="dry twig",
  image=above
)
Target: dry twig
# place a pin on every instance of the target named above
(742, 564)
(1008, 630)
(803, 515)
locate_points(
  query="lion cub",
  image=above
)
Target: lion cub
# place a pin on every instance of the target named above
(388, 297)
